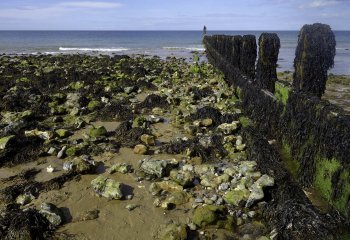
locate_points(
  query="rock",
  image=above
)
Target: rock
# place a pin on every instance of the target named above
(148, 139)
(157, 111)
(207, 181)
(46, 135)
(5, 141)
(183, 178)
(206, 215)
(80, 166)
(140, 149)
(51, 213)
(98, 132)
(129, 90)
(224, 186)
(154, 119)
(173, 231)
(24, 199)
(62, 152)
(177, 198)
(207, 122)
(93, 105)
(169, 186)
(257, 189)
(121, 168)
(204, 169)
(73, 100)
(140, 122)
(159, 168)
(107, 188)
(237, 197)
(12, 117)
(74, 150)
(131, 207)
(63, 133)
(50, 169)
(228, 128)
(224, 178)
(51, 151)
(247, 167)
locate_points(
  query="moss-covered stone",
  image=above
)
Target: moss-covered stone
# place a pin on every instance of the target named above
(93, 105)
(107, 188)
(63, 133)
(4, 142)
(206, 215)
(97, 132)
(173, 232)
(237, 197)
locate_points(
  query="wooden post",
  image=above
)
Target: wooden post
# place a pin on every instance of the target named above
(248, 55)
(266, 75)
(314, 56)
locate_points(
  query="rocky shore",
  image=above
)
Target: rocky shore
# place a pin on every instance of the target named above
(100, 147)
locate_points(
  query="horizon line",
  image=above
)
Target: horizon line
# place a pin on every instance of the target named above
(151, 30)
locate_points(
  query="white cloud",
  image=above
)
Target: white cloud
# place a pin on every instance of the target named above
(32, 12)
(320, 4)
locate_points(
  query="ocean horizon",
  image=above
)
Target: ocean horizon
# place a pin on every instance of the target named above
(162, 43)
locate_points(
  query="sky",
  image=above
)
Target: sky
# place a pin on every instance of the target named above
(172, 14)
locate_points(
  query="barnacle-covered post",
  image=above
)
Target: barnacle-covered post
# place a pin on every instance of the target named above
(248, 55)
(236, 50)
(313, 58)
(266, 75)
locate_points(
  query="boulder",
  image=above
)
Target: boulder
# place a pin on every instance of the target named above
(159, 168)
(121, 168)
(257, 189)
(173, 231)
(206, 215)
(107, 188)
(237, 197)
(98, 132)
(51, 213)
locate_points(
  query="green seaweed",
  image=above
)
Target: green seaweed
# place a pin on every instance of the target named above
(290, 163)
(245, 121)
(281, 93)
(325, 169)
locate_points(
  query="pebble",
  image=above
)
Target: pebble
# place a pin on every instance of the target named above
(131, 207)
(129, 197)
(61, 152)
(199, 200)
(50, 169)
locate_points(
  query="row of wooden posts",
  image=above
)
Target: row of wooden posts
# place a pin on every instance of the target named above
(314, 56)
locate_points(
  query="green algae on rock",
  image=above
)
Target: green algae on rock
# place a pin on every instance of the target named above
(107, 188)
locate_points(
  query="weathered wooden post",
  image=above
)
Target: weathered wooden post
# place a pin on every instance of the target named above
(236, 50)
(248, 55)
(314, 56)
(266, 75)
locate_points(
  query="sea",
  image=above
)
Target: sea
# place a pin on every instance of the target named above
(160, 43)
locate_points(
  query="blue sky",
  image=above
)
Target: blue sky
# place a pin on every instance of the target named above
(172, 15)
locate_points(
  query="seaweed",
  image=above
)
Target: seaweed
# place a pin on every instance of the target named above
(214, 114)
(153, 101)
(210, 153)
(314, 56)
(27, 224)
(248, 55)
(21, 150)
(129, 136)
(266, 75)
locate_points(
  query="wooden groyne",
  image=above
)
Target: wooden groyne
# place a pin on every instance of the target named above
(313, 134)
